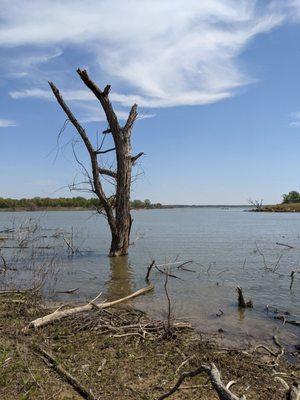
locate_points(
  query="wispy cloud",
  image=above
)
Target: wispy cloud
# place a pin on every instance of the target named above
(157, 53)
(94, 113)
(26, 62)
(5, 123)
(295, 116)
(31, 93)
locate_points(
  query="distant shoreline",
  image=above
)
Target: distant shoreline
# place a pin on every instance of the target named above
(162, 207)
(279, 208)
(286, 207)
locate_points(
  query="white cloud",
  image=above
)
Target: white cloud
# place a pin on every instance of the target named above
(5, 123)
(31, 93)
(160, 53)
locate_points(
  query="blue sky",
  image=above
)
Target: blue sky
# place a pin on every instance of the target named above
(217, 84)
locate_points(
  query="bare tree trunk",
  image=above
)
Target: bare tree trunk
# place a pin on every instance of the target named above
(117, 207)
(120, 241)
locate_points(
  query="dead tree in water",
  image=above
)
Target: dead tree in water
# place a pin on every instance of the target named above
(117, 207)
(257, 204)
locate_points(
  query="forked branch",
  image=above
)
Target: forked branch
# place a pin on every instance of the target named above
(212, 371)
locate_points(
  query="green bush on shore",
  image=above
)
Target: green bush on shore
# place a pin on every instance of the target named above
(291, 197)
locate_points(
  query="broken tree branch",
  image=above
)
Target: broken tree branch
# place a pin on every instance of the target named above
(58, 315)
(215, 377)
(105, 151)
(51, 362)
(108, 172)
(135, 158)
(285, 245)
(293, 392)
(131, 119)
(147, 278)
(68, 291)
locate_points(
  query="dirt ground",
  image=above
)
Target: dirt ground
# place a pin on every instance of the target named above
(114, 361)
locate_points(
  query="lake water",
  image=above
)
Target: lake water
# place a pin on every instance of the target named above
(229, 247)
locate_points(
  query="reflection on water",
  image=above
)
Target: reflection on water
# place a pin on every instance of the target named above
(121, 279)
(223, 244)
(241, 312)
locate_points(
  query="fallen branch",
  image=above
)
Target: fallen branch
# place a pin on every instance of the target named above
(261, 346)
(68, 291)
(13, 291)
(281, 348)
(51, 362)
(293, 392)
(293, 277)
(182, 377)
(57, 315)
(182, 266)
(166, 272)
(285, 320)
(285, 245)
(147, 278)
(215, 377)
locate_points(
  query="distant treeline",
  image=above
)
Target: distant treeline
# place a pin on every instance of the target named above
(64, 202)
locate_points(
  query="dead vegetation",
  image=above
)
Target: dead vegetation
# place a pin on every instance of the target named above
(96, 350)
(121, 353)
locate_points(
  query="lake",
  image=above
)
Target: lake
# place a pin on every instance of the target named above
(229, 248)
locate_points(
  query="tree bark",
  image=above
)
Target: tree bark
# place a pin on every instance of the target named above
(117, 207)
(120, 241)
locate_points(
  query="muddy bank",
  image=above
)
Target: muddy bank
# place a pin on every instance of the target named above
(106, 352)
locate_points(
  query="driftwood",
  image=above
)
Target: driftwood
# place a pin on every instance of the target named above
(51, 362)
(277, 355)
(215, 377)
(293, 392)
(147, 278)
(223, 391)
(13, 291)
(284, 245)
(285, 320)
(293, 273)
(59, 314)
(68, 291)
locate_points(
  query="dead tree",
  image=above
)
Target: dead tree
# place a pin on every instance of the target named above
(257, 204)
(117, 207)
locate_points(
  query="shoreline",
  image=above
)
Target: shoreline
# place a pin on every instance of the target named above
(288, 207)
(111, 358)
